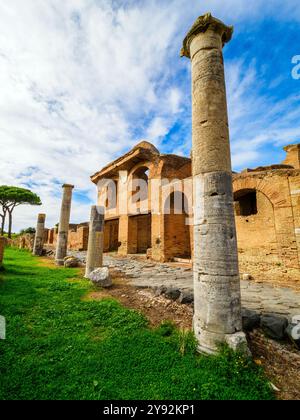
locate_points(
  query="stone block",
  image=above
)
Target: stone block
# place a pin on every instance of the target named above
(101, 277)
(274, 326)
(250, 319)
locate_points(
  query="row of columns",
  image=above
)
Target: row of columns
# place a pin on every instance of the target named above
(63, 230)
(217, 315)
(96, 233)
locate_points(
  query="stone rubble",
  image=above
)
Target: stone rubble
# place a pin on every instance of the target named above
(258, 297)
(101, 277)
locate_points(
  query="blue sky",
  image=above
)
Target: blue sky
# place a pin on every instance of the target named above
(82, 81)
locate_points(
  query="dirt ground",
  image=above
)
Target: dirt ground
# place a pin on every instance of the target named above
(156, 309)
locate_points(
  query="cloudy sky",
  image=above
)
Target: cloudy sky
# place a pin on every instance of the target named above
(82, 81)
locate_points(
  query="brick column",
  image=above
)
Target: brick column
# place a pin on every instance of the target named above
(63, 229)
(2, 247)
(95, 245)
(39, 235)
(217, 316)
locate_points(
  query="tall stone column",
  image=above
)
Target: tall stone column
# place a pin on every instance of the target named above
(39, 235)
(2, 247)
(217, 316)
(95, 245)
(63, 229)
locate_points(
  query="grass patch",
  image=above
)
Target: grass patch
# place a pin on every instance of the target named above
(60, 346)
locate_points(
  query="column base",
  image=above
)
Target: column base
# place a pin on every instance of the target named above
(36, 253)
(205, 350)
(60, 262)
(238, 342)
(209, 341)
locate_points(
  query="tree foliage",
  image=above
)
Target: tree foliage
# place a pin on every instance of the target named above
(30, 230)
(12, 197)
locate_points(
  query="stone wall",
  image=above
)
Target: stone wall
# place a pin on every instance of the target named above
(276, 192)
(177, 242)
(24, 242)
(111, 235)
(78, 240)
(77, 237)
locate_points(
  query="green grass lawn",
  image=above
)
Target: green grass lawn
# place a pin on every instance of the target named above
(60, 346)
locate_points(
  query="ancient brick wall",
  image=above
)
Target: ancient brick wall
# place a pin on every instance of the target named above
(271, 232)
(267, 209)
(24, 242)
(177, 242)
(139, 236)
(256, 232)
(111, 235)
(77, 238)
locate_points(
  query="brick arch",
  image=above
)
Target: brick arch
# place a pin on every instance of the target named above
(135, 169)
(278, 194)
(152, 166)
(274, 196)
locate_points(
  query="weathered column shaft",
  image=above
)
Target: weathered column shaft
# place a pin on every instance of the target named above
(2, 247)
(95, 245)
(22, 243)
(217, 316)
(39, 235)
(63, 229)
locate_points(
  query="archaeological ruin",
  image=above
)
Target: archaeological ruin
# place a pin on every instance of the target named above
(95, 245)
(266, 204)
(63, 227)
(39, 235)
(227, 226)
(217, 294)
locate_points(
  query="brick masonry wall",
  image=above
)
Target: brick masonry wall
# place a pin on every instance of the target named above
(77, 238)
(274, 185)
(257, 234)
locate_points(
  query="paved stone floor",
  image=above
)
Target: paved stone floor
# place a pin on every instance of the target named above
(258, 296)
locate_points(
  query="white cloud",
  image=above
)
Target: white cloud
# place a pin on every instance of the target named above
(74, 76)
(158, 128)
(81, 78)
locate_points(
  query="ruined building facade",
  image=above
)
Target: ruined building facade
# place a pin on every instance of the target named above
(267, 209)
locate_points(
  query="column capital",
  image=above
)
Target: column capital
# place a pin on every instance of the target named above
(201, 25)
(68, 186)
(41, 218)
